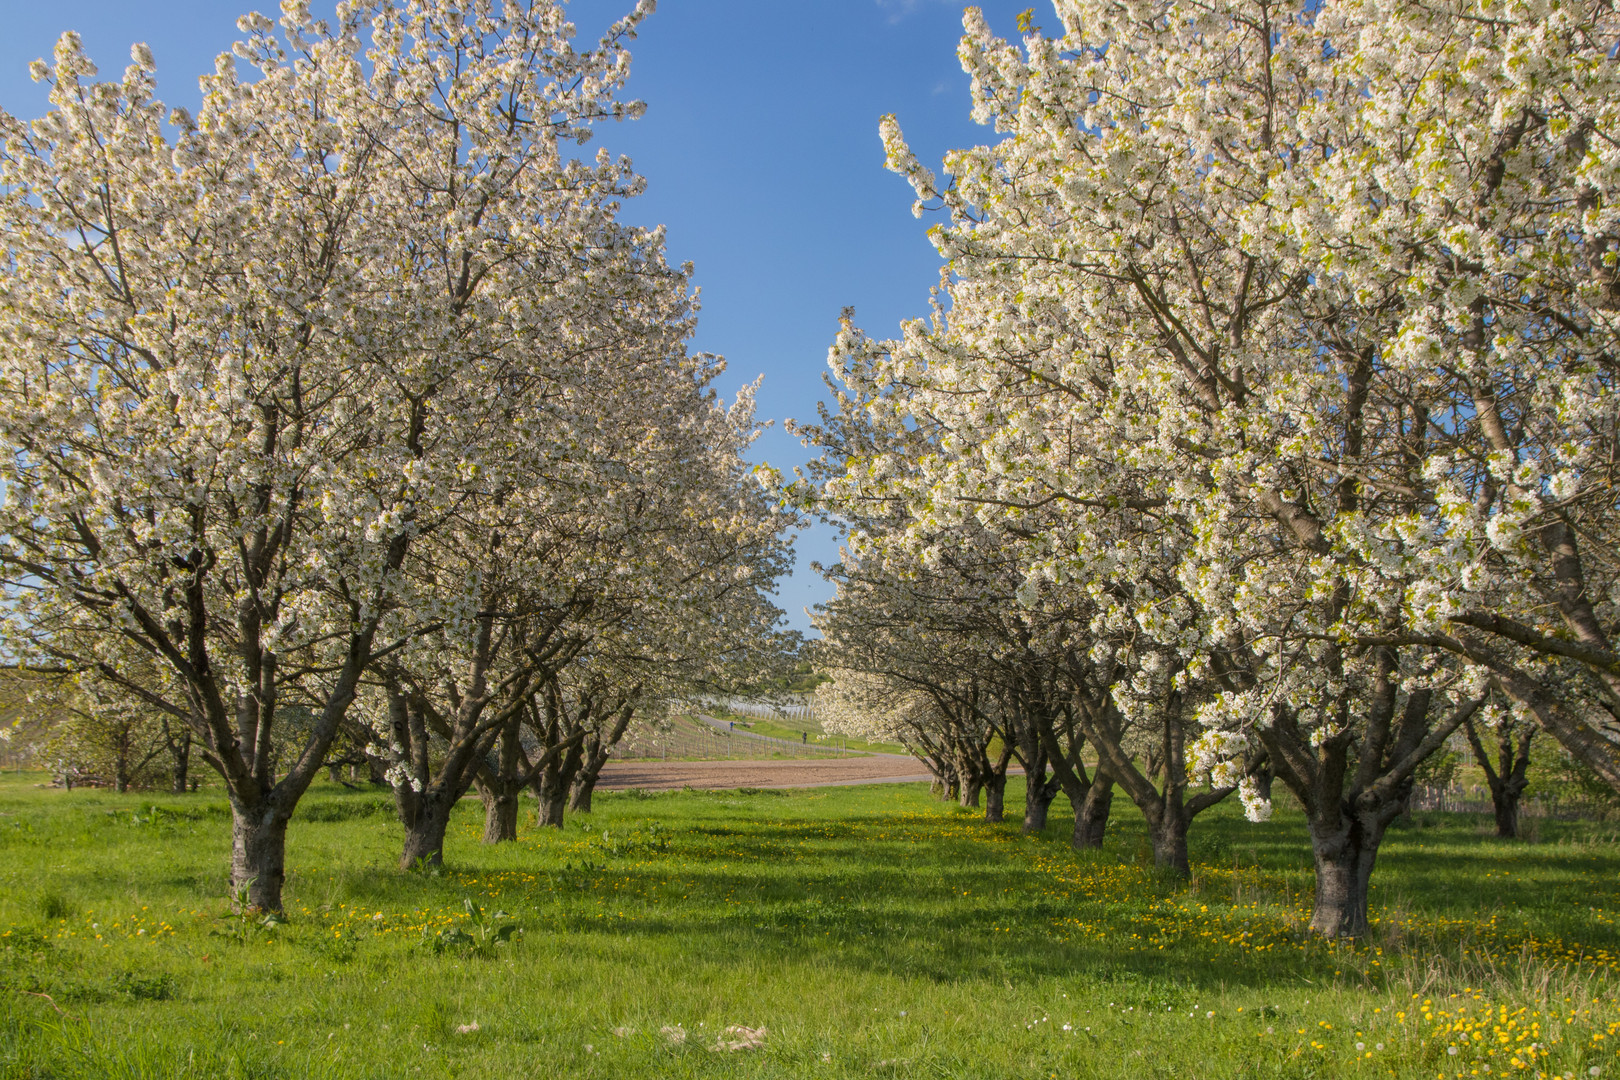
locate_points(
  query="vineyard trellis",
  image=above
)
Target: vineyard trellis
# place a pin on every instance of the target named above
(796, 707)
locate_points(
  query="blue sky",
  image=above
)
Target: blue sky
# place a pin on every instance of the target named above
(759, 145)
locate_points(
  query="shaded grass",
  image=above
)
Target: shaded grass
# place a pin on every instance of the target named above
(873, 931)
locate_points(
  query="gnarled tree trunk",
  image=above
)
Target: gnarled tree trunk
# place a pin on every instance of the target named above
(1168, 829)
(1168, 809)
(995, 797)
(553, 799)
(500, 783)
(1344, 847)
(1507, 779)
(258, 855)
(944, 773)
(551, 786)
(1091, 796)
(1091, 815)
(1038, 795)
(500, 812)
(1505, 804)
(1348, 812)
(424, 835)
(1039, 788)
(991, 776)
(599, 750)
(469, 723)
(179, 775)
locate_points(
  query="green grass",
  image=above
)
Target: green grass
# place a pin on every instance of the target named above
(872, 931)
(787, 727)
(687, 739)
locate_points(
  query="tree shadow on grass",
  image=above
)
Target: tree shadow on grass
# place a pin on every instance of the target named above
(876, 882)
(873, 893)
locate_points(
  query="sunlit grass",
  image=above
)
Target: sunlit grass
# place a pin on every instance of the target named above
(870, 931)
(792, 727)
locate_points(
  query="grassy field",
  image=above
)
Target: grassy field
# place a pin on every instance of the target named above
(869, 932)
(791, 727)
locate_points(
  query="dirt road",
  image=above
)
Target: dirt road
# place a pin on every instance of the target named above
(721, 775)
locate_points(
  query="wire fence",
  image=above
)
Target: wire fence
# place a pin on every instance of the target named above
(796, 707)
(1476, 799)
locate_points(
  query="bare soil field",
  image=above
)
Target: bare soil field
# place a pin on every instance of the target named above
(721, 775)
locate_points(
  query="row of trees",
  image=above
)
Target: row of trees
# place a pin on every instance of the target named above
(47, 719)
(345, 419)
(1265, 425)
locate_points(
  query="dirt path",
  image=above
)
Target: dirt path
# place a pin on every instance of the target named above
(722, 775)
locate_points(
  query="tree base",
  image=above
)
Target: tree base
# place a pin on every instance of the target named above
(500, 818)
(550, 814)
(1091, 816)
(424, 835)
(995, 799)
(1344, 857)
(258, 858)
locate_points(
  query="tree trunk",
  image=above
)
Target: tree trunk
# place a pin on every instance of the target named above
(500, 813)
(551, 809)
(121, 762)
(500, 783)
(1509, 785)
(1038, 796)
(1506, 805)
(1091, 816)
(1344, 853)
(552, 782)
(968, 796)
(258, 856)
(580, 800)
(1169, 834)
(551, 786)
(424, 837)
(585, 782)
(1507, 780)
(407, 804)
(1169, 812)
(1505, 801)
(1039, 789)
(181, 749)
(995, 797)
